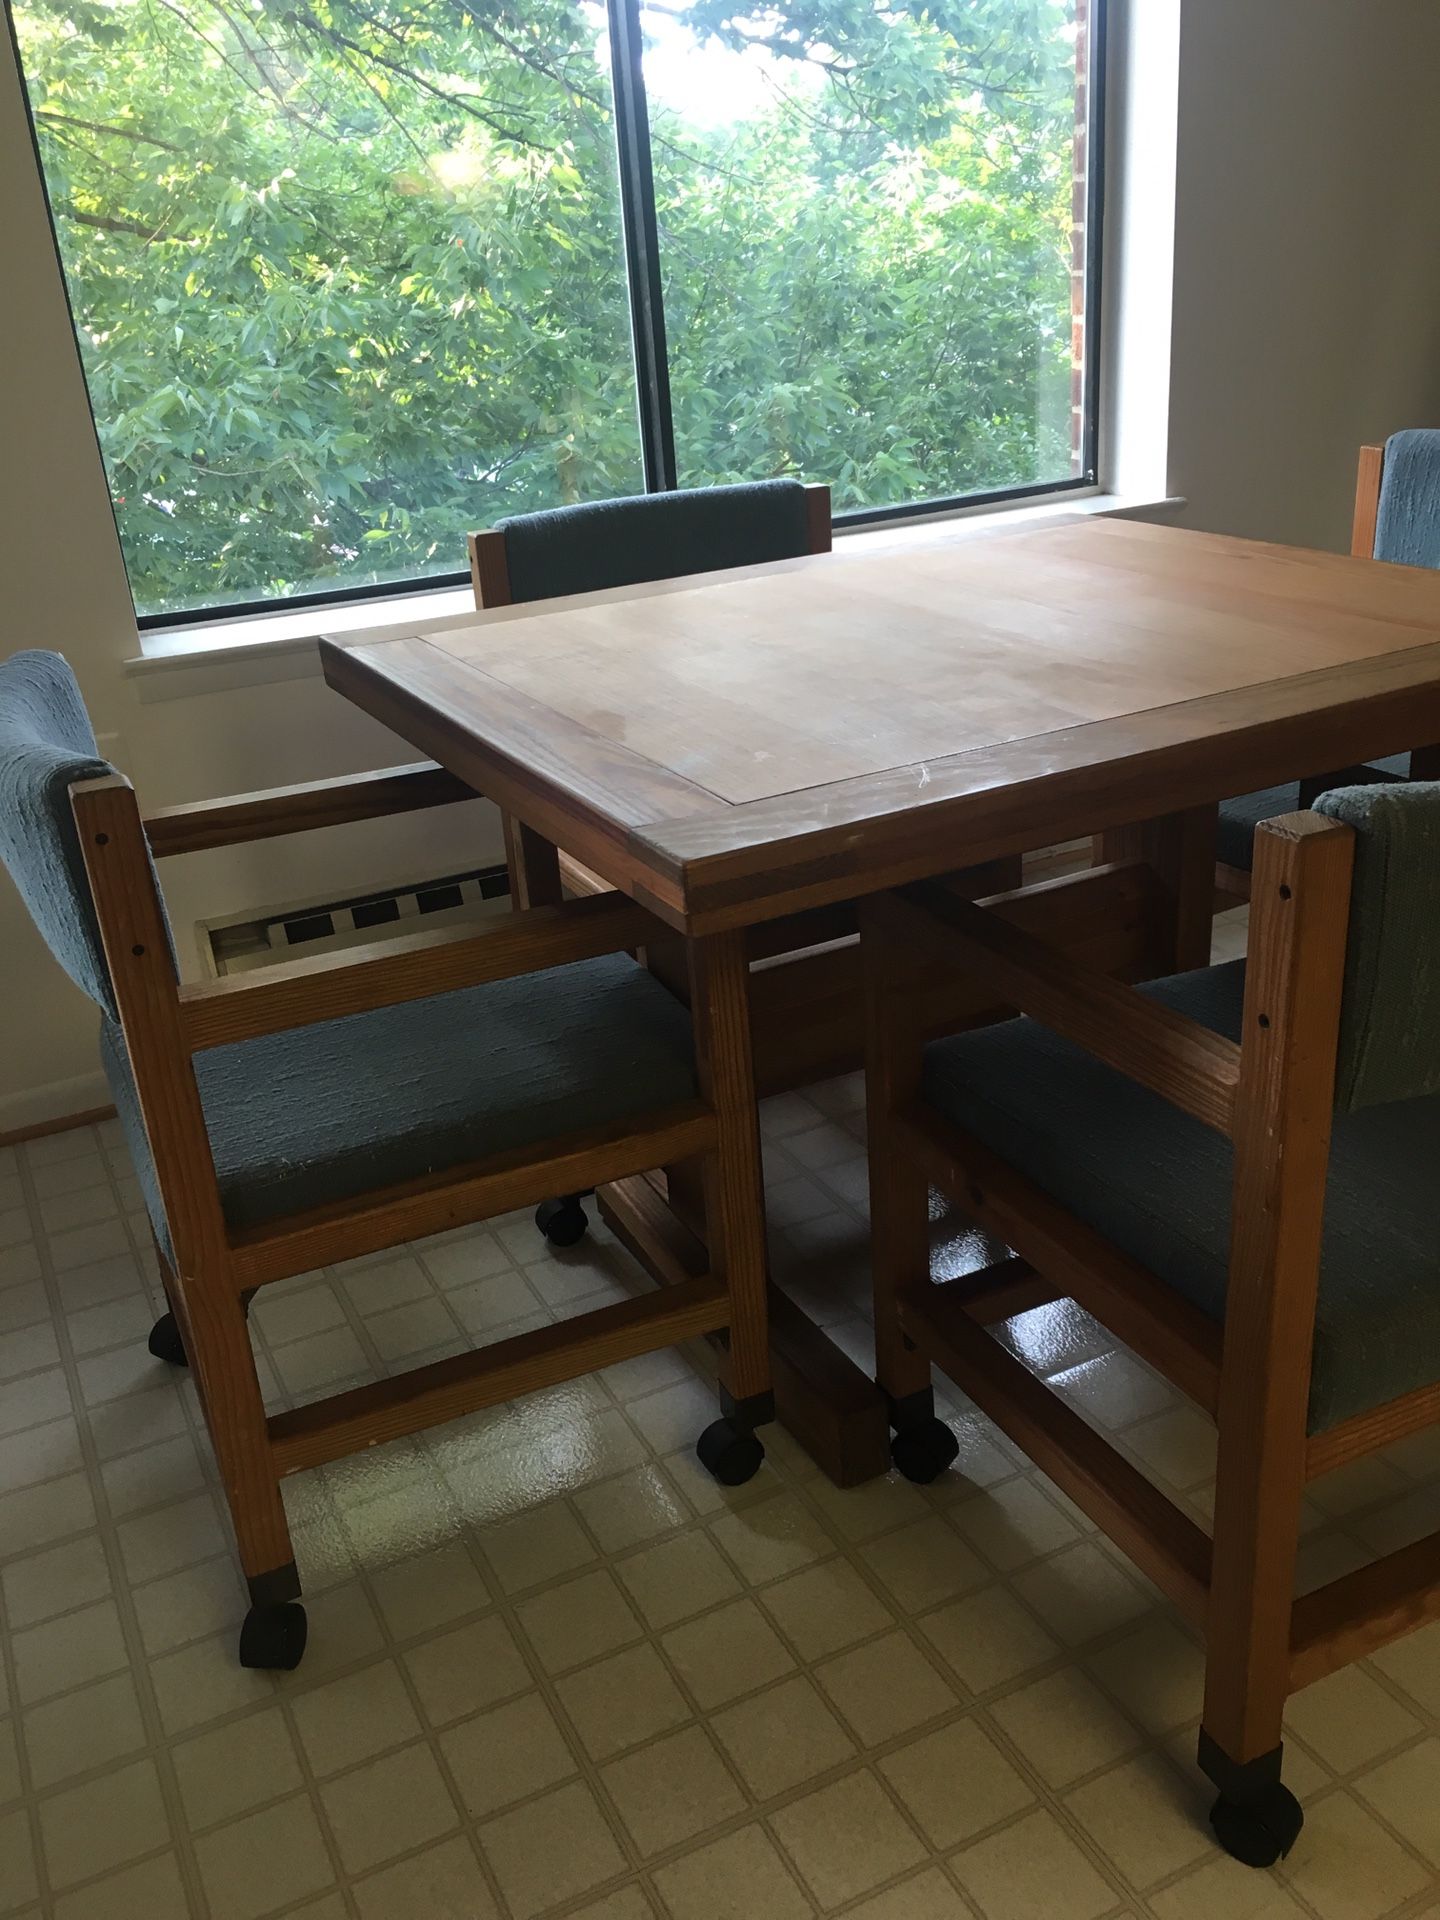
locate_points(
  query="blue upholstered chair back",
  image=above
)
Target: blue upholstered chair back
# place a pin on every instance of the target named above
(653, 536)
(1407, 527)
(1390, 1020)
(46, 743)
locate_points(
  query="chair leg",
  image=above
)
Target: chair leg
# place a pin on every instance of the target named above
(923, 1446)
(562, 1221)
(734, 1189)
(222, 1361)
(1256, 1818)
(166, 1341)
(1299, 915)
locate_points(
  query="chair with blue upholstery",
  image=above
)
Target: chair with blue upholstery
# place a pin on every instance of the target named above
(630, 542)
(1397, 518)
(1234, 1171)
(338, 1105)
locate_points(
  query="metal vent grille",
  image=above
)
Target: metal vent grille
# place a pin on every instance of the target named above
(331, 925)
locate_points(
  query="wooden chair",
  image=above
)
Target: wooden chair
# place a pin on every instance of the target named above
(1234, 1170)
(334, 1106)
(626, 543)
(1397, 518)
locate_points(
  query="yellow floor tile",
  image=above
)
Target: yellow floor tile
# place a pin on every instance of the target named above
(350, 1720)
(622, 1700)
(1033, 1871)
(739, 1878)
(579, 1620)
(507, 1754)
(988, 1639)
(470, 1667)
(551, 1849)
(266, 1861)
(387, 1807)
(826, 1608)
(671, 1790)
(93, 1828)
(1347, 1867)
(236, 1767)
(847, 1838)
(885, 1687)
(956, 1783)
(1405, 1791)
(783, 1737)
(727, 1652)
(443, 1883)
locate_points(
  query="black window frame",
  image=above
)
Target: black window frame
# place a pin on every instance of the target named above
(647, 323)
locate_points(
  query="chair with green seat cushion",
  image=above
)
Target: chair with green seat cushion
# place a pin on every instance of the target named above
(273, 1133)
(1257, 1215)
(654, 536)
(1157, 1184)
(1407, 533)
(328, 1112)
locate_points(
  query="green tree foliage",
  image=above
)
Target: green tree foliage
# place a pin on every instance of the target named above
(348, 273)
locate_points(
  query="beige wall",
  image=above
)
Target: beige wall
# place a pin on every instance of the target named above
(1307, 255)
(1307, 318)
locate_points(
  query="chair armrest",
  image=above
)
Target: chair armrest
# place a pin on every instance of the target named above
(384, 973)
(1176, 1057)
(317, 803)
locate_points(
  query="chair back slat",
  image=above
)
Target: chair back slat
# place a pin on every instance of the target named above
(1407, 524)
(47, 744)
(654, 536)
(1390, 1019)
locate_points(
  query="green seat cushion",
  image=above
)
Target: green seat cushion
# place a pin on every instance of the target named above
(1235, 838)
(1157, 1184)
(328, 1112)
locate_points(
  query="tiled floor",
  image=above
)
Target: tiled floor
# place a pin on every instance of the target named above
(553, 1670)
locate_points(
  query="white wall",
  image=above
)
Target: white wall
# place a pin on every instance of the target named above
(1306, 319)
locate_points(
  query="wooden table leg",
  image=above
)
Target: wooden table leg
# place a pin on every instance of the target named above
(822, 1398)
(1181, 849)
(534, 864)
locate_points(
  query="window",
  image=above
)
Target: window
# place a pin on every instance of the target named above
(353, 276)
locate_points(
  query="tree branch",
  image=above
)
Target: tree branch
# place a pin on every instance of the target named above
(116, 223)
(99, 126)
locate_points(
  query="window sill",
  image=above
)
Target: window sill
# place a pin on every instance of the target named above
(263, 647)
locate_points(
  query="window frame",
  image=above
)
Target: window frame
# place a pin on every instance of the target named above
(648, 341)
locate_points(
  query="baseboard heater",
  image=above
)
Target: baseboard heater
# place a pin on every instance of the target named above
(279, 933)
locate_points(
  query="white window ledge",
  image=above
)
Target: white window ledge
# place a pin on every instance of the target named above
(261, 647)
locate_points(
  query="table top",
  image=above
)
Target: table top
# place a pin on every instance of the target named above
(745, 744)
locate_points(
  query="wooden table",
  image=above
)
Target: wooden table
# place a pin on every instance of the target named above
(749, 747)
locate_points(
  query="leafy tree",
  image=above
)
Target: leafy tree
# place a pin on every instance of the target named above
(349, 280)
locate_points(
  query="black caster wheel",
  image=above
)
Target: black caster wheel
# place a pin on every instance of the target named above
(165, 1342)
(273, 1638)
(1258, 1832)
(563, 1222)
(729, 1453)
(924, 1451)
